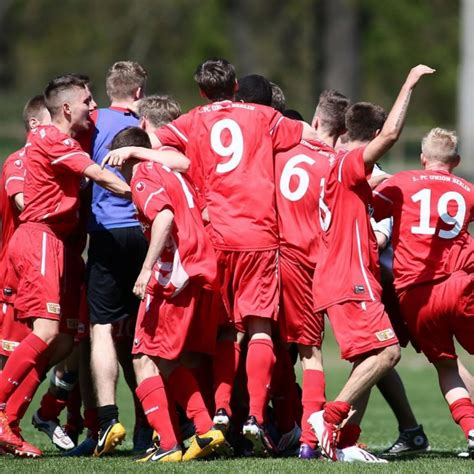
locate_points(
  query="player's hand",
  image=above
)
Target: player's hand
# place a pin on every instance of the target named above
(416, 73)
(116, 158)
(141, 283)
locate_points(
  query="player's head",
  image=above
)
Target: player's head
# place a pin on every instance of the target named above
(35, 113)
(68, 100)
(125, 81)
(254, 88)
(278, 98)
(364, 121)
(216, 79)
(293, 115)
(330, 113)
(155, 111)
(84, 77)
(440, 147)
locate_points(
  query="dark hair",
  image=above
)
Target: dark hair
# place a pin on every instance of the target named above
(159, 109)
(293, 114)
(278, 97)
(363, 119)
(254, 88)
(216, 79)
(54, 91)
(130, 136)
(124, 78)
(331, 111)
(34, 108)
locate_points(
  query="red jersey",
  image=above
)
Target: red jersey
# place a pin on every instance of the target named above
(298, 174)
(188, 253)
(11, 183)
(54, 168)
(431, 213)
(231, 147)
(347, 268)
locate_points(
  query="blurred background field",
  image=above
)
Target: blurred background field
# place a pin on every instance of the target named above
(364, 48)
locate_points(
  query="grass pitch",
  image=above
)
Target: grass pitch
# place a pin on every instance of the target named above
(379, 430)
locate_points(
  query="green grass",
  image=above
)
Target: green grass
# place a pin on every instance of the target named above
(379, 430)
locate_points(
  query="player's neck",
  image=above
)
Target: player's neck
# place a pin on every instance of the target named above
(327, 138)
(437, 166)
(123, 103)
(63, 125)
(355, 144)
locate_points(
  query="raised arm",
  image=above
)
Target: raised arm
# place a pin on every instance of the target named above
(396, 118)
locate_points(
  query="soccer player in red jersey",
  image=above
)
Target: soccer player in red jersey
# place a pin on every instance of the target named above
(179, 266)
(231, 147)
(431, 210)
(346, 282)
(54, 168)
(298, 174)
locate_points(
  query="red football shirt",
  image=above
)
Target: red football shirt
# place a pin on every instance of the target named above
(231, 146)
(298, 174)
(54, 167)
(347, 258)
(11, 183)
(188, 252)
(431, 211)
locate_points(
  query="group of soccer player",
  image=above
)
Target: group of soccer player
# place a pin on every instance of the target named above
(219, 240)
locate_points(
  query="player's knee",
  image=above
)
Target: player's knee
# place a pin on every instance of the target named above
(391, 356)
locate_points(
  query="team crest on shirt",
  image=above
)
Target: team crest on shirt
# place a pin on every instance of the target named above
(67, 142)
(385, 335)
(18, 163)
(140, 186)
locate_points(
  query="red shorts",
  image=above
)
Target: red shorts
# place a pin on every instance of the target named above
(392, 307)
(249, 284)
(83, 330)
(360, 327)
(37, 257)
(168, 327)
(13, 330)
(437, 313)
(297, 321)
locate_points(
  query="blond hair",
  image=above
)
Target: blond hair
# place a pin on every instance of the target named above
(440, 145)
(123, 79)
(158, 109)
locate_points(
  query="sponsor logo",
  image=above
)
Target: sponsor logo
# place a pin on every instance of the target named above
(385, 335)
(53, 308)
(152, 409)
(140, 186)
(18, 163)
(358, 289)
(67, 142)
(136, 341)
(370, 209)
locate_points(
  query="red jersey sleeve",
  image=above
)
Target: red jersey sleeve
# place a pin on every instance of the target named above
(384, 197)
(176, 133)
(14, 177)
(150, 198)
(351, 168)
(67, 155)
(286, 133)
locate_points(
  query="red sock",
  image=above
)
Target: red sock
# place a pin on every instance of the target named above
(50, 407)
(259, 366)
(348, 436)
(91, 421)
(21, 398)
(152, 395)
(336, 412)
(226, 363)
(74, 402)
(20, 362)
(314, 397)
(203, 376)
(185, 390)
(462, 411)
(283, 387)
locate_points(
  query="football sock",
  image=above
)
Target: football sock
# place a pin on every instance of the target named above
(314, 397)
(20, 362)
(203, 376)
(91, 422)
(152, 395)
(21, 398)
(106, 414)
(348, 436)
(185, 390)
(50, 406)
(462, 411)
(336, 412)
(74, 402)
(259, 366)
(226, 363)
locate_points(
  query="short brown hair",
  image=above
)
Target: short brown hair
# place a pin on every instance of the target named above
(34, 108)
(331, 111)
(440, 145)
(130, 136)
(216, 79)
(124, 78)
(159, 109)
(363, 119)
(278, 97)
(54, 93)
